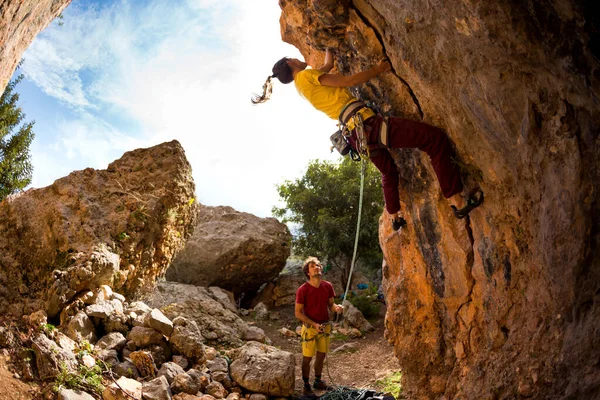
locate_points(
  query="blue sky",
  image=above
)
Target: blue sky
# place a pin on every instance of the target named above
(119, 75)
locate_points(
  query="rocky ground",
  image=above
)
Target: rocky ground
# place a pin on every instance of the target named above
(366, 365)
(370, 361)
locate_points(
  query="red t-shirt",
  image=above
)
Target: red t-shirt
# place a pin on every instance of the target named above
(315, 300)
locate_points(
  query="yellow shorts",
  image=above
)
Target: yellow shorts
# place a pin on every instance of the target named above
(313, 341)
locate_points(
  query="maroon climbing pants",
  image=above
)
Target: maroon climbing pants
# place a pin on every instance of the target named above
(402, 134)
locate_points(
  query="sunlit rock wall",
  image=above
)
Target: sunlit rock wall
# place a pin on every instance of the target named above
(506, 304)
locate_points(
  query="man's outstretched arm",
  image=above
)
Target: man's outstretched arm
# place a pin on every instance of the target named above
(335, 80)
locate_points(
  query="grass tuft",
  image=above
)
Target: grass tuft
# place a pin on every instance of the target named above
(391, 384)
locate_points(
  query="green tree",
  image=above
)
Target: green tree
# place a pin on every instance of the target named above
(15, 161)
(324, 205)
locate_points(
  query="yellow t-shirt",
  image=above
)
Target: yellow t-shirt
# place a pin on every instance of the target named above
(328, 99)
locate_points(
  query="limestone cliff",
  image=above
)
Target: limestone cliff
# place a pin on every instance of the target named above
(506, 304)
(20, 22)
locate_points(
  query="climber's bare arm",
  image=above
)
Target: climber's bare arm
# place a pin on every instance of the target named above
(328, 64)
(335, 80)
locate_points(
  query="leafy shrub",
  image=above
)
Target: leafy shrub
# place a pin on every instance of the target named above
(87, 379)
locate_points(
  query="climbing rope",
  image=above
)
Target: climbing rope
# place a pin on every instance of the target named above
(360, 202)
(342, 393)
(363, 166)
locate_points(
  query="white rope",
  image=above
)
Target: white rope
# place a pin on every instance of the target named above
(360, 201)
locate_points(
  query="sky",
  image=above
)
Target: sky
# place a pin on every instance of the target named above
(113, 76)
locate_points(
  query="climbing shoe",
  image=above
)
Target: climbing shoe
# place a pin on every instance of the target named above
(321, 385)
(398, 223)
(473, 201)
(307, 390)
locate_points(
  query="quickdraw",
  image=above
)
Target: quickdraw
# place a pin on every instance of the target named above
(361, 139)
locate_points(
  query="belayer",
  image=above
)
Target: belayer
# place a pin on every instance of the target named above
(370, 134)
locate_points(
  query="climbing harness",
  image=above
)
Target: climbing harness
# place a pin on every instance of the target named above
(361, 137)
(305, 338)
(351, 111)
(340, 140)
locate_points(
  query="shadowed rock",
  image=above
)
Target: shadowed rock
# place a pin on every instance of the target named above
(233, 250)
(212, 315)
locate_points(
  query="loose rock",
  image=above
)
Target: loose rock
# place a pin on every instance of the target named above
(157, 389)
(216, 390)
(355, 318)
(185, 383)
(123, 389)
(263, 369)
(144, 337)
(69, 394)
(170, 370)
(144, 363)
(156, 320)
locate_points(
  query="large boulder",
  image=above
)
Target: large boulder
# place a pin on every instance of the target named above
(119, 227)
(208, 309)
(263, 369)
(504, 304)
(234, 250)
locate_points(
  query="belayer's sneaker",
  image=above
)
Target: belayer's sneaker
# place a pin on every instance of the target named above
(398, 223)
(321, 385)
(307, 390)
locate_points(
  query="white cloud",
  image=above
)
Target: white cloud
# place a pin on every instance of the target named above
(184, 73)
(81, 143)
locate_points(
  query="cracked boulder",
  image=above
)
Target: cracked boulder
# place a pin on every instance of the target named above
(119, 227)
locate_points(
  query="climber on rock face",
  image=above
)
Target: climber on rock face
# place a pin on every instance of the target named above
(370, 134)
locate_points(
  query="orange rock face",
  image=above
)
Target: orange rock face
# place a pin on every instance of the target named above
(505, 304)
